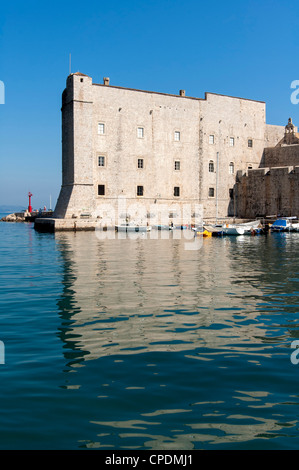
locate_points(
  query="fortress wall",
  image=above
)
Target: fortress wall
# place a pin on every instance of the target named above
(120, 113)
(281, 156)
(228, 118)
(268, 191)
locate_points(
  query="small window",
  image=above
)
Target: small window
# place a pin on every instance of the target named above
(177, 165)
(250, 143)
(249, 167)
(211, 166)
(81, 80)
(140, 132)
(177, 136)
(231, 141)
(101, 190)
(211, 139)
(231, 168)
(101, 128)
(139, 190)
(140, 163)
(101, 161)
(211, 192)
(176, 191)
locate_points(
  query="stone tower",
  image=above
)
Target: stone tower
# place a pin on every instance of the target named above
(77, 148)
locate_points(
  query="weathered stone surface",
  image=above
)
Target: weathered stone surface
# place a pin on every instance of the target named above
(274, 188)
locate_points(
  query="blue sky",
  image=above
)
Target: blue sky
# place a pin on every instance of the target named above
(240, 48)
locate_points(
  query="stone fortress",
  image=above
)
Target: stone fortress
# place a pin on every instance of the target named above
(154, 149)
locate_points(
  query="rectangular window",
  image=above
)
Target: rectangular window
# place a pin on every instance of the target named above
(177, 136)
(139, 190)
(211, 139)
(211, 192)
(101, 190)
(211, 166)
(177, 165)
(250, 143)
(101, 128)
(140, 132)
(140, 163)
(176, 191)
(101, 161)
(231, 141)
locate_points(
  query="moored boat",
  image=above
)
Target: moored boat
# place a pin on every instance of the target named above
(164, 227)
(281, 225)
(230, 230)
(202, 232)
(132, 228)
(285, 224)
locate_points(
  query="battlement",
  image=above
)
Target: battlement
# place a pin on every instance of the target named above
(262, 172)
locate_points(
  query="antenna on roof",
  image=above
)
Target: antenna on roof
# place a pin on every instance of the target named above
(70, 64)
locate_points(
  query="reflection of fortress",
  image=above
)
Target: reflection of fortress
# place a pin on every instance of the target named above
(159, 297)
(156, 148)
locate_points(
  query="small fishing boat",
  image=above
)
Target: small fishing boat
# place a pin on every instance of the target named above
(226, 229)
(132, 228)
(164, 227)
(281, 225)
(250, 228)
(285, 224)
(230, 230)
(216, 231)
(202, 231)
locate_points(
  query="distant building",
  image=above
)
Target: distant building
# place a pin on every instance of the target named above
(154, 148)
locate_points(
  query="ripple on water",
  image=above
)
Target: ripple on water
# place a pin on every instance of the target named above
(142, 344)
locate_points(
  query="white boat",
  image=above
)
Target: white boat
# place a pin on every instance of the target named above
(164, 227)
(250, 227)
(230, 230)
(132, 228)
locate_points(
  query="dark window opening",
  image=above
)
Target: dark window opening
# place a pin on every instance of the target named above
(176, 191)
(101, 190)
(139, 190)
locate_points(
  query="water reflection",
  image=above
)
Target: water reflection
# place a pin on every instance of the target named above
(189, 342)
(152, 295)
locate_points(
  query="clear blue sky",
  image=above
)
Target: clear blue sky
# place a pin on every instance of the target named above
(240, 48)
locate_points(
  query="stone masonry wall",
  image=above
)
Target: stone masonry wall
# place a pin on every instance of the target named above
(170, 135)
(268, 192)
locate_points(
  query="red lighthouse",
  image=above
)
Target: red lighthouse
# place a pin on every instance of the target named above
(30, 206)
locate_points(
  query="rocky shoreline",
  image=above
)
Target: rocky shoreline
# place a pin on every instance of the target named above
(25, 216)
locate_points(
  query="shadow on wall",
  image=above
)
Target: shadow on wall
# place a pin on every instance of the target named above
(63, 202)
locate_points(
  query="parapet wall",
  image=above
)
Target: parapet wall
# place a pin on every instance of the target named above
(268, 191)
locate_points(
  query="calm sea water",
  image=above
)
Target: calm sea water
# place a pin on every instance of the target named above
(142, 344)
